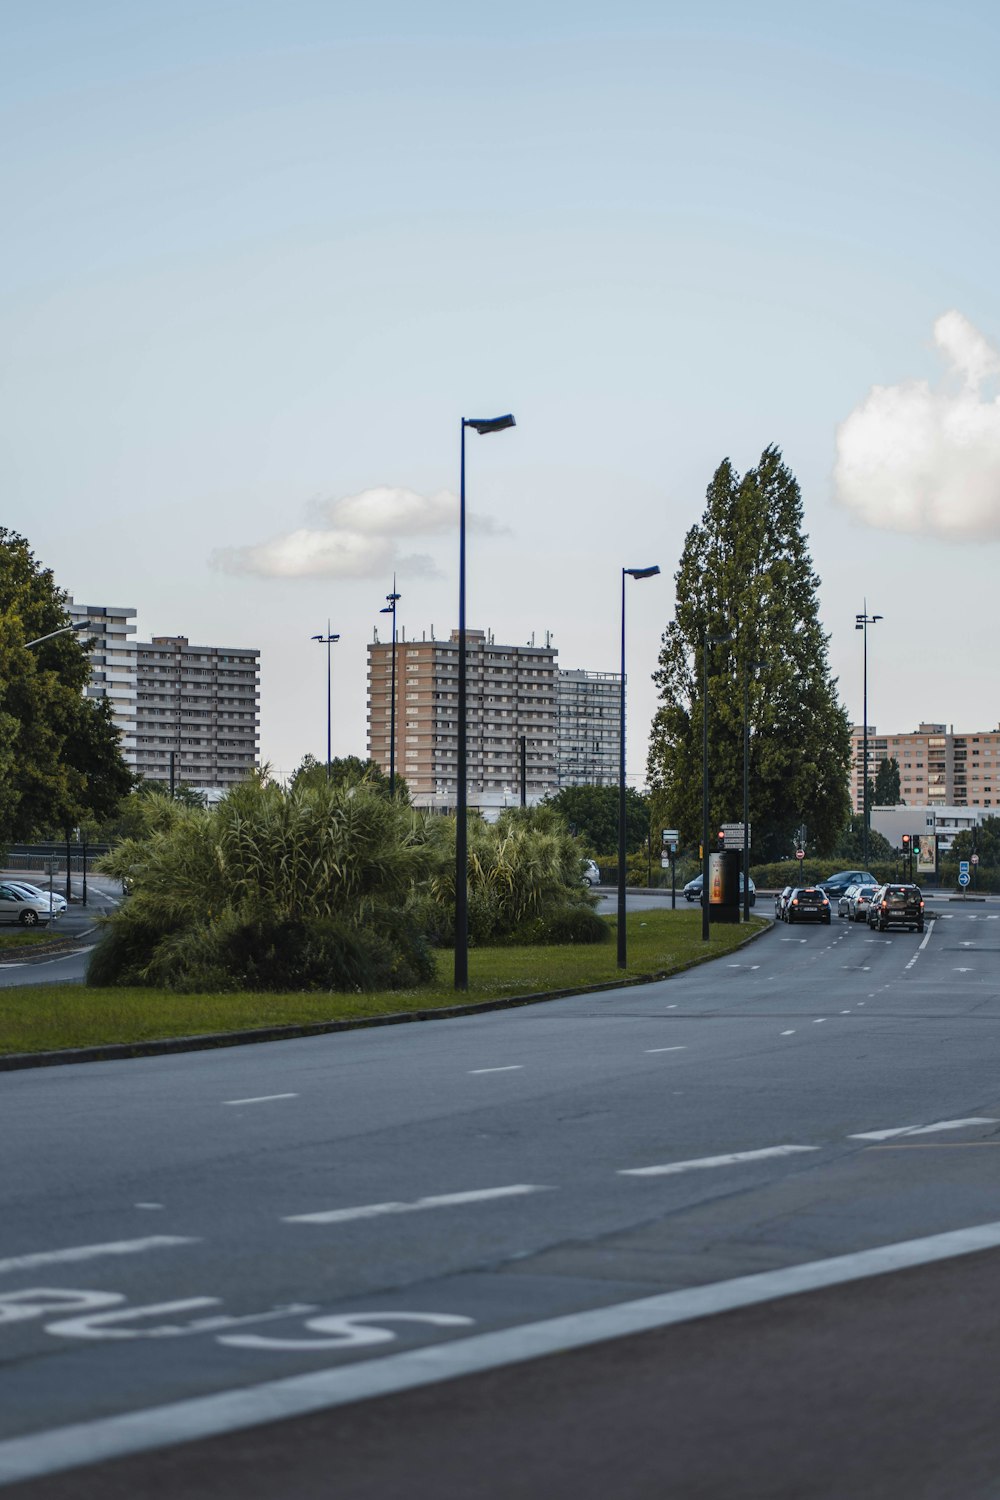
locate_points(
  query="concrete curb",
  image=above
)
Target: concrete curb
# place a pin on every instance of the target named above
(166, 1046)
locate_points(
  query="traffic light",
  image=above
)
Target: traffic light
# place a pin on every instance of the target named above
(906, 843)
(722, 838)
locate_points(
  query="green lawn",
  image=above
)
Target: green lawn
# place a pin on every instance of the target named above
(46, 1017)
(25, 938)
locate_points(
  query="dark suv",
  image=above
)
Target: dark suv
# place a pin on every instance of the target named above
(901, 905)
(808, 904)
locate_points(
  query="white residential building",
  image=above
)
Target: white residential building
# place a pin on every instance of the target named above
(112, 664)
(197, 712)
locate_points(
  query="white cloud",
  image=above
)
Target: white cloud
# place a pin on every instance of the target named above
(354, 537)
(920, 458)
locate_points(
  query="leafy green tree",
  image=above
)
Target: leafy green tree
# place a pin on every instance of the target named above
(346, 770)
(850, 847)
(984, 841)
(60, 755)
(885, 790)
(745, 573)
(591, 812)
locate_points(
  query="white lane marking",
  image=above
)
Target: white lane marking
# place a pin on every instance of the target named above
(92, 1252)
(346, 1330)
(260, 1099)
(732, 1158)
(439, 1200)
(510, 1068)
(665, 1049)
(964, 971)
(845, 1012)
(788, 1033)
(819, 1020)
(149, 1205)
(62, 1448)
(885, 1135)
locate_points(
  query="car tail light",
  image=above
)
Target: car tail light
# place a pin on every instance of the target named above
(921, 906)
(795, 902)
(885, 905)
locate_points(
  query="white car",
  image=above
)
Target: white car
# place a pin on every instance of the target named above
(17, 906)
(58, 902)
(591, 874)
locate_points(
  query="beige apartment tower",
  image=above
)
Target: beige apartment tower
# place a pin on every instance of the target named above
(937, 768)
(511, 692)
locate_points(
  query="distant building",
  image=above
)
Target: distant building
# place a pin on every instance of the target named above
(112, 664)
(511, 692)
(197, 706)
(936, 766)
(946, 822)
(589, 716)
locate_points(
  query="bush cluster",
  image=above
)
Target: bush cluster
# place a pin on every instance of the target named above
(327, 887)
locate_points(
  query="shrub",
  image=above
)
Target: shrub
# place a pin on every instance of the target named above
(567, 924)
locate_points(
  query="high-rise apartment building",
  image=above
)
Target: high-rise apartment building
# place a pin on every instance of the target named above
(199, 704)
(112, 664)
(589, 714)
(937, 768)
(511, 693)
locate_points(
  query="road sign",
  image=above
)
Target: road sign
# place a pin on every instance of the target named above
(670, 836)
(963, 879)
(974, 860)
(800, 854)
(732, 835)
(963, 867)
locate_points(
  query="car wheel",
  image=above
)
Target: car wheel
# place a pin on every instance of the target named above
(587, 881)
(28, 918)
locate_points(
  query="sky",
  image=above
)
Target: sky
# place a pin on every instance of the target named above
(261, 258)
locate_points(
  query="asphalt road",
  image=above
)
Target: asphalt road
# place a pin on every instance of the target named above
(459, 1242)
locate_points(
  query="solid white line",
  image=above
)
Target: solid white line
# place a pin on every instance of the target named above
(732, 1158)
(260, 1099)
(440, 1200)
(69, 1447)
(927, 938)
(885, 1135)
(510, 1068)
(92, 1252)
(665, 1049)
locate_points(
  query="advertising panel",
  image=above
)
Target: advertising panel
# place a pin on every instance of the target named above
(927, 854)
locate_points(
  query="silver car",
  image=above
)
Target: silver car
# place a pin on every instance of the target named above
(17, 906)
(52, 899)
(860, 903)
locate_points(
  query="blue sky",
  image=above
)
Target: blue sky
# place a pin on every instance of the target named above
(260, 258)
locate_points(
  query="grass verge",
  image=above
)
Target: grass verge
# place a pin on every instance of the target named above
(25, 938)
(49, 1017)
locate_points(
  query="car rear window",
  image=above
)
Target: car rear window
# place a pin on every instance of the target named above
(811, 897)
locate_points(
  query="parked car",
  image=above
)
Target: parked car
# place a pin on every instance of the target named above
(860, 902)
(17, 906)
(808, 903)
(897, 905)
(58, 903)
(591, 873)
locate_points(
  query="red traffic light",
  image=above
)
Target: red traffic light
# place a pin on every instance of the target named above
(906, 841)
(722, 835)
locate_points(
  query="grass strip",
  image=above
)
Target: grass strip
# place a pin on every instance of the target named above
(30, 938)
(50, 1017)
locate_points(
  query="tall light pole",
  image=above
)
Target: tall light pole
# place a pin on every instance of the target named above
(709, 640)
(862, 622)
(753, 666)
(327, 640)
(622, 954)
(482, 425)
(63, 630)
(390, 609)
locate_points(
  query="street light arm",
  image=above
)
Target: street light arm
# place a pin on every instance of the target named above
(63, 630)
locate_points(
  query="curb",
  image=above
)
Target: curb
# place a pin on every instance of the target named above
(167, 1046)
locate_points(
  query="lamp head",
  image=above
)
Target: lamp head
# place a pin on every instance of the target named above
(641, 572)
(489, 424)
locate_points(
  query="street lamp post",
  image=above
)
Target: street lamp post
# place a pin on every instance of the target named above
(622, 954)
(327, 640)
(862, 622)
(754, 666)
(709, 640)
(63, 630)
(390, 609)
(482, 425)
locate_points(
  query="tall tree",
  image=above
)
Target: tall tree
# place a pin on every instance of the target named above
(346, 770)
(746, 573)
(885, 789)
(60, 756)
(592, 812)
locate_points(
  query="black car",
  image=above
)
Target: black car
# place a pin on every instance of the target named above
(808, 903)
(897, 905)
(837, 884)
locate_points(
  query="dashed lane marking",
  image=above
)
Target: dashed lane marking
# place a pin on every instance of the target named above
(665, 1049)
(75, 1253)
(510, 1068)
(704, 1163)
(260, 1099)
(419, 1205)
(885, 1135)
